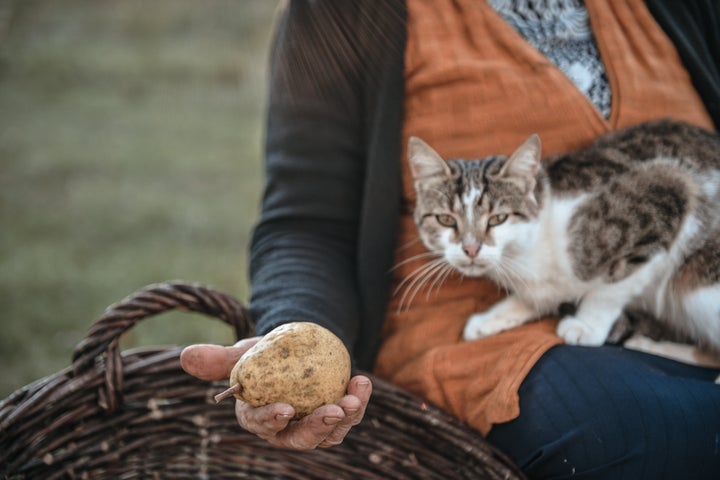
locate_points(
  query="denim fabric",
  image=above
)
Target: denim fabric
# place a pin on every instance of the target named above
(612, 413)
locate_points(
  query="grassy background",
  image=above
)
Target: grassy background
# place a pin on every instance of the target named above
(130, 139)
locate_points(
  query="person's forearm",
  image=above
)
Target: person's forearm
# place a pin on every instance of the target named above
(303, 253)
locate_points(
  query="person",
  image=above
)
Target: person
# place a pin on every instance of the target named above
(350, 82)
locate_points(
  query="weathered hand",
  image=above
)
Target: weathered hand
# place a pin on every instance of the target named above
(325, 427)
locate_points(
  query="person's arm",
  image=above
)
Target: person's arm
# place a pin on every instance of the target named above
(303, 252)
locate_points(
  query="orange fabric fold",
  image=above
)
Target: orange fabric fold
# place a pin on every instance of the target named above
(474, 87)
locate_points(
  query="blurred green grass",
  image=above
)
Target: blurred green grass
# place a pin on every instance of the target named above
(130, 140)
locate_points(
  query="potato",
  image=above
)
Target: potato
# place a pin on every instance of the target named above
(299, 363)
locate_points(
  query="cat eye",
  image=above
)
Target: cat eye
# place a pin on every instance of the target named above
(496, 220)
(446, 220)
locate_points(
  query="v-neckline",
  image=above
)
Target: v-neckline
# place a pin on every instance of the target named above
(534, 56)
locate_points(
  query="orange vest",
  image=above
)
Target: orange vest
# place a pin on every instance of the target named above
(474, 87)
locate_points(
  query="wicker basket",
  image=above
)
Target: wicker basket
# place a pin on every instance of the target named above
(138, 415)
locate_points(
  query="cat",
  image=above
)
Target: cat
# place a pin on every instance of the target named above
(631, 222)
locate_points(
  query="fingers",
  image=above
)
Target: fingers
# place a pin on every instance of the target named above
(213, 362)
(309, 432)
(265, 422)
(273, 423)
(353, 405)
(325, 427)
(360, 387)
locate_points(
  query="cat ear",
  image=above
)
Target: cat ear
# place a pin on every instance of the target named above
(525, 161)
(424, 161)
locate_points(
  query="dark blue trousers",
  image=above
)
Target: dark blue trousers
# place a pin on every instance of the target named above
(611, 413)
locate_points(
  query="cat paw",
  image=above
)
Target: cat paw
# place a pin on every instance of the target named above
(578, 332)
(481, 325)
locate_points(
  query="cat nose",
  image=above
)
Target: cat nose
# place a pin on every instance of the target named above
(471, 250)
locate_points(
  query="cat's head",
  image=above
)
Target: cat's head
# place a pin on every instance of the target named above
(475, 213)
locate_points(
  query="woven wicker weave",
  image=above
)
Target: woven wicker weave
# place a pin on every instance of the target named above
(138, 415)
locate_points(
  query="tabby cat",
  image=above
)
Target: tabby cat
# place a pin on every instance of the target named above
(631, 222)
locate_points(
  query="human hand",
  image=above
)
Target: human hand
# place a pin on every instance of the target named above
(325, 427)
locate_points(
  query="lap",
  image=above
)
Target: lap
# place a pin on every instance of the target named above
(608, 412)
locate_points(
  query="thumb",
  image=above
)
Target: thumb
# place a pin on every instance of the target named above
(214, 362)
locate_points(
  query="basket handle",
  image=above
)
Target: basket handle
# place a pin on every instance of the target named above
(103, 336)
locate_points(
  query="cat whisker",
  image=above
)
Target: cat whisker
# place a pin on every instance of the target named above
(503, 279)
(517, 272)
(518, 278)
(407, 245)
(417, 273)
(517, 282)
(421, 281)
(415, 257)
(419, 276)
(440, 279)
